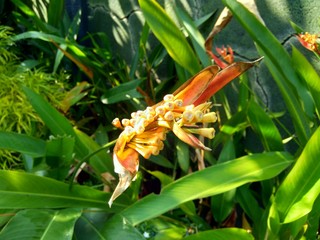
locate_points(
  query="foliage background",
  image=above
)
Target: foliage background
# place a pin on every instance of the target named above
(103, 45)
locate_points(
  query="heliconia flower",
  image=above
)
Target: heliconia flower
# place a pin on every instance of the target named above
(310, 41)
(182, 112)
(225, 53)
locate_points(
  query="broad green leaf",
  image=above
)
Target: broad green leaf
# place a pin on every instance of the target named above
(264, 127)
(20, 190)
(22, 143)
(125, 91)
(119, 228)
(279, 64)
(169, 35)
(89, 224)
(222, 234)
(308, 74)
(314, 220)
(227, 176)
(301, 187)
(42, 224)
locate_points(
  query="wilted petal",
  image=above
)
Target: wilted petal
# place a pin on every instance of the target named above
(127, 169)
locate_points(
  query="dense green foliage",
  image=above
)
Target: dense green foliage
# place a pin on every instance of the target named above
(58, 131)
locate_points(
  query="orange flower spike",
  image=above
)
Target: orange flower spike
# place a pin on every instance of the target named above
(310, 41)
(179, 112)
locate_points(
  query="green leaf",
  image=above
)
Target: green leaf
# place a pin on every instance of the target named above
(55, 12)
(222, 234)
(88, 225)
(125, 91)
(227, 176)
(163, 178)
(60, 126)
(30, 13)
(279, 64)
(301, 187)
(101, 161)
(41, 224)
(249, 204)
(161, 161)
(169, 35)
(264, 127)
(308, 74)
(118, 228)
(197, 39)
(183, 155)
(20, 190)
(22, 143)
(222, 205)
(61, 149)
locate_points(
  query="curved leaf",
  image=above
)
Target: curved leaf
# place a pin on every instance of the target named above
(308, 74)
(22, 143)
(22, 190)
(264, 127)
(301, 187)
(170, 35)
(210, 181)
(41, 224)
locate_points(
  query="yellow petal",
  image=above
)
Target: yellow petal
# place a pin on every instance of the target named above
(206, 132)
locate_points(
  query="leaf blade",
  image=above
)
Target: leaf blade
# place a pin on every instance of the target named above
(169, 35)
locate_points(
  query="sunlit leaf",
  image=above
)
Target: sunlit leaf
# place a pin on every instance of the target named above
(297, 193)
(263, 125)
(23, 190)
(308, 74)
(227, 176)
(42, 224)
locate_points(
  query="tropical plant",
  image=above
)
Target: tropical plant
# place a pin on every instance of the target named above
(237, 191)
